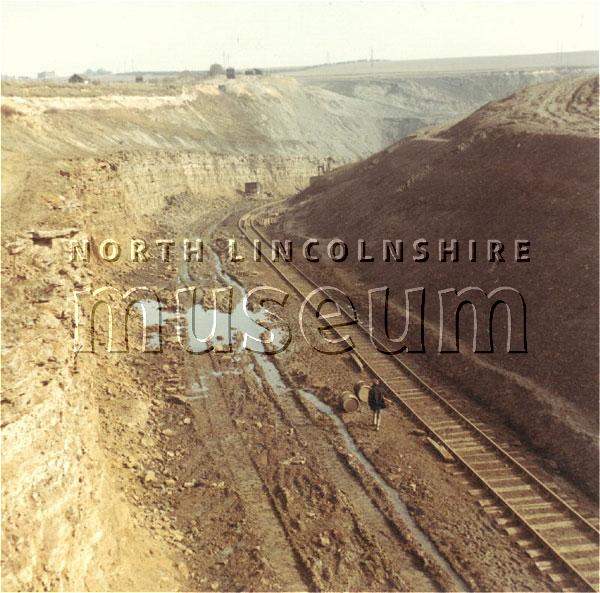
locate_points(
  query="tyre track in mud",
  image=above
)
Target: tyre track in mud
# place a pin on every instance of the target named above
(317, 523)
(212, 419)
(247, 482)
(301, 466)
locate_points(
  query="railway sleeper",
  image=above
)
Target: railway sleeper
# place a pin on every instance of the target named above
(506, 478)
(545, 565)
(486, 465)
(555, 525)
(468, 449)
(494, 510)
(460, 439)
(449, 423)
(544, 516)
(533, 506)
(587, 564)
(453, 432)
(575, 549)
(518, 488)
(520, 496)
(412, 398)
(537, 553)
(501, 467)
(526, 543)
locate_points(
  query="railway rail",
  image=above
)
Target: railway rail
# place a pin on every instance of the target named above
(562, 542)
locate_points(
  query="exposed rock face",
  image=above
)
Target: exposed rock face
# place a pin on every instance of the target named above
(119, 167)
(430, 99)
(521, 168)
(141, 181)
(64, 525)
(108, 166)
(276, 116)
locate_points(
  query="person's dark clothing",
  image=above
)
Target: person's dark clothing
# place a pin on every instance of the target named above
(376, 399)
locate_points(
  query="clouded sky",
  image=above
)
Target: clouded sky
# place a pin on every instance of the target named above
(174, 35)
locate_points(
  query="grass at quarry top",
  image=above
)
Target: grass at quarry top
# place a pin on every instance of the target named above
(34, 88)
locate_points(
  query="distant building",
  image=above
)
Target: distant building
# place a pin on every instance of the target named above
(252, 188)
(139, 78)
(230, 72)
(46, 75)
(215, 70)
(76, 79)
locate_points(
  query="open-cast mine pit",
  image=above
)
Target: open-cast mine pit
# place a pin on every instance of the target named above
(184, 407)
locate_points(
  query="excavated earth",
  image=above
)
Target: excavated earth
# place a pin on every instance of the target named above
(525, 167)
(184, 471)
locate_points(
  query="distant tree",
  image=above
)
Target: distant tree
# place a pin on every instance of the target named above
(216, 70)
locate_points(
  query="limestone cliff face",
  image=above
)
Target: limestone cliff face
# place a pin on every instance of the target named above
(66, 524)
(118, 167)
(142, 182)
(271, 116)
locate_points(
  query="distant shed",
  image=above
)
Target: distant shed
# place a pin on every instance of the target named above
(252, 188)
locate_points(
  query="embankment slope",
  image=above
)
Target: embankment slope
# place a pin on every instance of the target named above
(525, 167)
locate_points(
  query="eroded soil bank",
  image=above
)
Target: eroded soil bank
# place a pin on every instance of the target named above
(196, 472)
(179, 471)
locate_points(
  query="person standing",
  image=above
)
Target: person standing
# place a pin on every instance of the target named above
(376, 402)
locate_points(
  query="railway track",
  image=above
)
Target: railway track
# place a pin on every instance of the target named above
(563, 543)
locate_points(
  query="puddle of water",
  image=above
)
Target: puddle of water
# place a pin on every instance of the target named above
(276, 381)
(213, 325)
(202, 321)
(392, 494)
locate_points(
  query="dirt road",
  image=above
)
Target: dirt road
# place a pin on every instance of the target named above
(181, 470)
(267, 494)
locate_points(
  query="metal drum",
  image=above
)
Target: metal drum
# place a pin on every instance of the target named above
(350, 402)
(361, 390)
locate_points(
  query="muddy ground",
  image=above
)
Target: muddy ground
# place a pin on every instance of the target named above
(186, 471)
(254, 488)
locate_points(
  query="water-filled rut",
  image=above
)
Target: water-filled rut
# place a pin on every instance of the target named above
(219, 326)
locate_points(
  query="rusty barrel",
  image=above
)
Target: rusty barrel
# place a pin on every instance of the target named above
(350, 402)
(361, 390)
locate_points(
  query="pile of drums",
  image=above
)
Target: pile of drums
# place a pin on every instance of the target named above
(351, 401)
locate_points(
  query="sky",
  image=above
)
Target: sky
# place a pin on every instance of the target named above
(146, 35)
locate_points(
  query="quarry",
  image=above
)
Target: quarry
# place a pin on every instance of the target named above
(220, 446)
